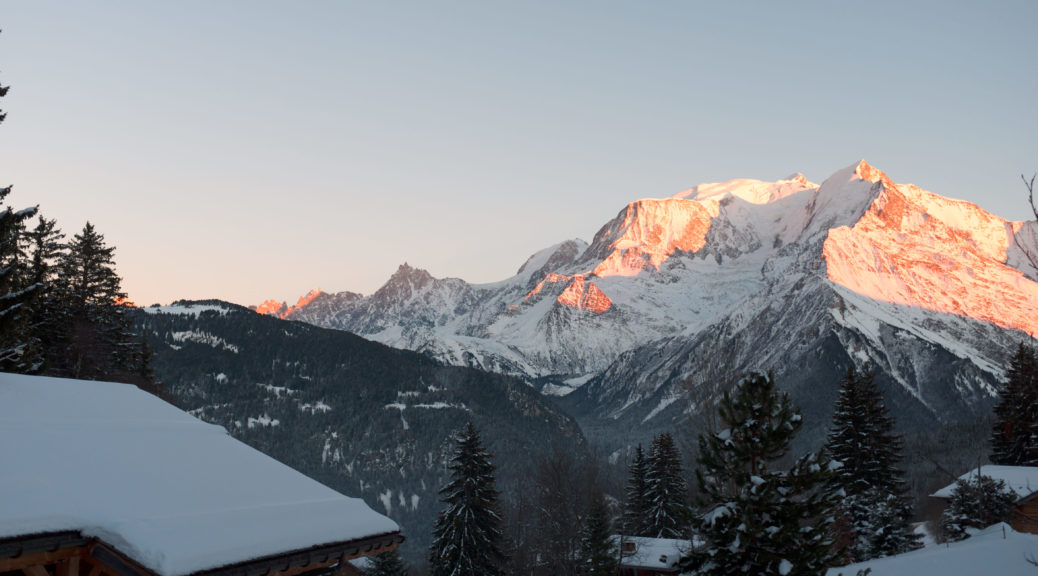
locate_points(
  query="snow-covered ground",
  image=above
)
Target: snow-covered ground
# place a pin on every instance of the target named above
(994, 551)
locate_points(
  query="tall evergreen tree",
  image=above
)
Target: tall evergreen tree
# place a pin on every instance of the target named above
(760, 520)
(45, 249)
(597, 550)
(666, 504)
(876, 510)
(16, 292)
(386, 564)
(16, 350)
(467, 535)
(634, 496)
(93, 332)
(1014, 437)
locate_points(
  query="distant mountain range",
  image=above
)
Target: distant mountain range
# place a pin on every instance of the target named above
(644, 326)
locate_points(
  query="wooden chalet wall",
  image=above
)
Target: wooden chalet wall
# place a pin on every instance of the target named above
(1025, 515)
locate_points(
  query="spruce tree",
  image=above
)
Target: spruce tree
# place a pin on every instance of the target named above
(94, 336)
(16, 293)
(597, 550)
(665, 497)
(1014, 437)
(467, 535)
(386, 564)
(758, 519)
(876, 510)
(634, 496)
(976, 503)
(45, 248)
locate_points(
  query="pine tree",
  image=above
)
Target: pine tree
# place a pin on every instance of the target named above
(1014, 437)
(93, 339)
(876, 510)
(634, 496)
(759, 520)
(467, 535)
(976, 503)
(597, 550)
(16, 292)
(665, 497)
(16, 350)
(386, 564)
(45, 248)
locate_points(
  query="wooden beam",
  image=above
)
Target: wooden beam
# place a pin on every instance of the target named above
(41, 558)
(97, 570)
(35, 570)
(69, 567)
(373, 549)
(302, 569)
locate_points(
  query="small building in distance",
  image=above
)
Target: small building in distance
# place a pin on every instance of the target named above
(643, 556)
(1021, 480)
(102, 479)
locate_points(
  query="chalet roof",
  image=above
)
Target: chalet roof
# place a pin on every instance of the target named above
(654, 553)
(172, 493)
(1023, 480)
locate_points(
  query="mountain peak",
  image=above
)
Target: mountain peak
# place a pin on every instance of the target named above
(799, 178)
(407, 272)
(282, 309)
(867, 172)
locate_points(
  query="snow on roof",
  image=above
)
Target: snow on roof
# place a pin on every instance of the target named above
(997, 550)
(655, 553)
(1023, 480)
(171, 492)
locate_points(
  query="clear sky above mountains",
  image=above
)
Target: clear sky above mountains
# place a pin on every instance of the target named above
(253, 150)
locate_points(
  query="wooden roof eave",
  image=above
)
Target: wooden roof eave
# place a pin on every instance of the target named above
(29, 553)
(301, 562)
(25, 552)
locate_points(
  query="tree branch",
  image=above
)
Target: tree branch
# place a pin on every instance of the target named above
(1030, 193)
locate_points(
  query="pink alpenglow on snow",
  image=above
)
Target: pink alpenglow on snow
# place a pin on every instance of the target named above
(170, 492)
(914, 248)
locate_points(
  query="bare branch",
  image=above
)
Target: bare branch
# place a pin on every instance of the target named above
(1030, 193)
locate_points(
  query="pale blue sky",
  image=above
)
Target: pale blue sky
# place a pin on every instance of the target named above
(252, 150)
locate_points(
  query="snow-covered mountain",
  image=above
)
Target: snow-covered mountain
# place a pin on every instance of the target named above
(674, 295)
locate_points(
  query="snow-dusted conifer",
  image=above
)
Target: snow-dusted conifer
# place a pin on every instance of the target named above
(976, 503)
(634, 496)
(386, 564)
(665, 496)
(467, 535)
(756, 519)
(597, 551)
(15, 291)
(94, 336)
(876, 511)
(1014, 438)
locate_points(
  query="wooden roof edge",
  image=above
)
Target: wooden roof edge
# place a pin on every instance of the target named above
(24, 544)
(17, 552)
(295, 561)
